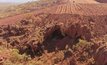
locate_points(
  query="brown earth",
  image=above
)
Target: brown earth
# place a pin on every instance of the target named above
(82, 9)
(66, 34)
(19, 8)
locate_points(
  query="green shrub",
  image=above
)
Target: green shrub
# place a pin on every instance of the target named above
(16, 57)
(81, 43)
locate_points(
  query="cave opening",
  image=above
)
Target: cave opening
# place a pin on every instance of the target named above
(57, 35)
(51, 41)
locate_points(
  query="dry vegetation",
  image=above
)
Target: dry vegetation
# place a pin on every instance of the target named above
(10, 56)
(31, 42)
(25, 8)
(58, 35)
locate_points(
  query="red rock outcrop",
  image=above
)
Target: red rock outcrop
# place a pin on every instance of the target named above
(74, 26)
(60, 28)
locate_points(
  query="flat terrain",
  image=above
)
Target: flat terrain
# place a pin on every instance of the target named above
(6, 5)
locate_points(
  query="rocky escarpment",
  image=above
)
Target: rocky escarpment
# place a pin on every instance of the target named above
(49, 33)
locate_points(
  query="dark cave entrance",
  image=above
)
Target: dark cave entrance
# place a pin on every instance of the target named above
(50, 42)
(56, 35)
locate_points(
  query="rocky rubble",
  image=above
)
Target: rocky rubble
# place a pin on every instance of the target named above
(53, 34)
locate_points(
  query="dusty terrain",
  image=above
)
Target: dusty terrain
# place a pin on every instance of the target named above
(66, 33)
(24, 8)
(6, 5)
(4, 9)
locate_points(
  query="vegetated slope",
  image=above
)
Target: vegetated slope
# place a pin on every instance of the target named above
(32, 6)
(4, 7)
(82, 9)
(49, 35)
(64, 34)
(26, 7)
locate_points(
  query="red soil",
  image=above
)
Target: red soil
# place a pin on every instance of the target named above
(11, 20)
(68, 7)
(56, 27)
(81, 9)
